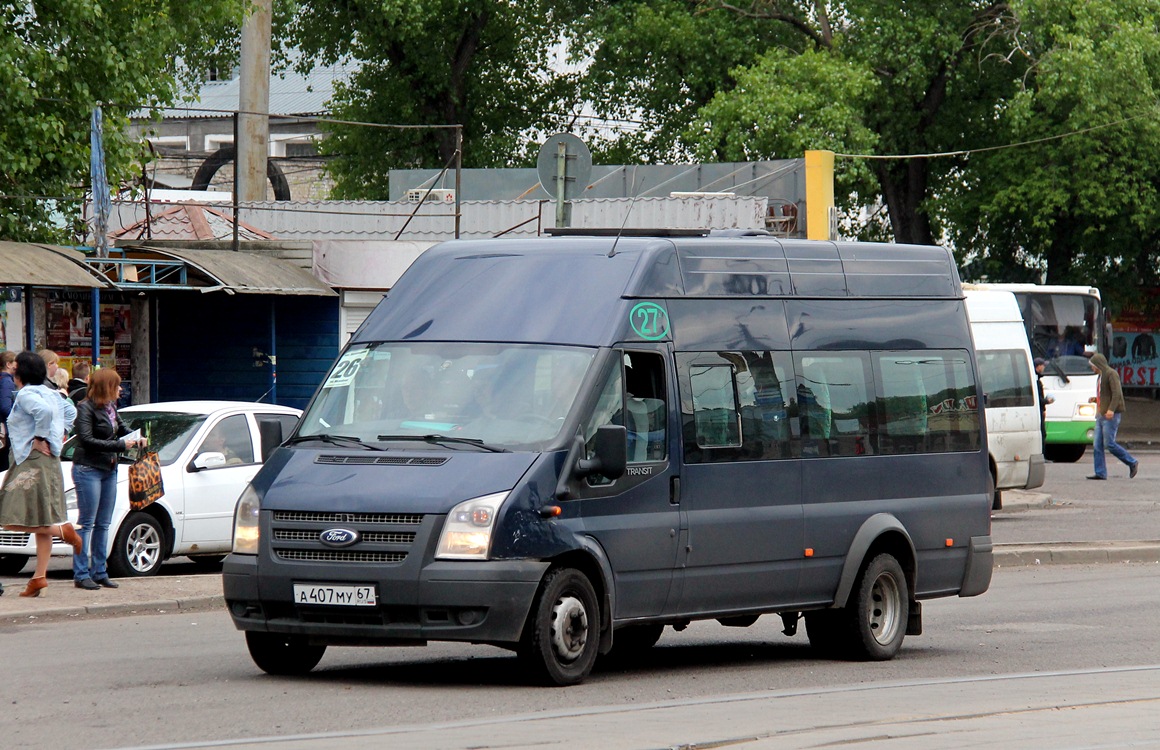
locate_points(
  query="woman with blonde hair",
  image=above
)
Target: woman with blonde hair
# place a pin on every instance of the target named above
(99, 442)
(32, 498)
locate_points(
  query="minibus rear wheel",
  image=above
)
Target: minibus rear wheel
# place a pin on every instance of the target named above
(876, 616)
(562, 635)
(282, 654)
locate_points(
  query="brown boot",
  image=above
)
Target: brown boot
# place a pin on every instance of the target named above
(70, 536)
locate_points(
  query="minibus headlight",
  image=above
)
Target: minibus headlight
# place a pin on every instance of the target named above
(1085, 410)
(70, 500)
(246, 523)
(467, 531)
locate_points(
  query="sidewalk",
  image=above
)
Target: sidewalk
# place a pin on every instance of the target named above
(136, 596)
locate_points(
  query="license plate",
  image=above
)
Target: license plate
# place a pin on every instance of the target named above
(357, 595)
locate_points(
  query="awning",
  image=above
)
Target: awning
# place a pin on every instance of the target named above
(211, 271)
(27, 264)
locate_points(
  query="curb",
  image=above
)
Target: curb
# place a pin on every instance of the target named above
(1075, 553)
(126, 609)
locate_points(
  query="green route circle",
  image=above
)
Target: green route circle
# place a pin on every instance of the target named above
(649, 320)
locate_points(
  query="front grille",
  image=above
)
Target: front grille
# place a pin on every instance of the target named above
(339, 556)
(14, 538)
(383, 538)
(365, 460)
(300, 516)
(375, 537)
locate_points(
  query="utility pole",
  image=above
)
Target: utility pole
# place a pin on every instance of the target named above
(254, 129)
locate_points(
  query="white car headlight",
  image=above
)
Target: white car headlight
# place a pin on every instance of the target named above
(1085, 410)
(467, 531)
(70, 500)
(246, 523)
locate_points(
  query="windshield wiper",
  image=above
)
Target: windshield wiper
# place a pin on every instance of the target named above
(324, 437)
(446, 439)
(1056, 366)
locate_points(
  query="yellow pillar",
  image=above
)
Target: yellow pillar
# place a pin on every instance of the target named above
(819, 194)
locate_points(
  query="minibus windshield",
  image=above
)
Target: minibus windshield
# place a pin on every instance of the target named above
(485, 396)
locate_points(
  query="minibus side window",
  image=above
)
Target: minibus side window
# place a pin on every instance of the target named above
(646, 414)
(763, 396)
(1005, 377)
(715, 412)
(926, 402)
(835, 409)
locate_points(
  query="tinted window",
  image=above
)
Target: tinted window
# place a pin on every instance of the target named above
(834, 405)
(736, 406)
(927, 402)
(1005, 378)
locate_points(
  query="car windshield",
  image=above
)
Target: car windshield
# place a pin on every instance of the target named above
(168, 433)
(505, 396)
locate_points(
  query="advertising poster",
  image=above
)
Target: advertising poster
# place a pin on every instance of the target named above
(1134, 358)
(69, 333)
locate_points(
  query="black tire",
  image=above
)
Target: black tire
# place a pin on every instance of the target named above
(139, 548)
(823, 628)
(10, 565)
(997, 500)
(562, 635)
(1067, 453)
(874, 621)
(281, 654)
(631, 642)
(207, 562)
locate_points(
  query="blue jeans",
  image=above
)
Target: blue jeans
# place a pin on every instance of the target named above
(96, 496)
(1105, 437)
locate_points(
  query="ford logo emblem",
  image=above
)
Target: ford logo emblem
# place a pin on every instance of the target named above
(338, 537)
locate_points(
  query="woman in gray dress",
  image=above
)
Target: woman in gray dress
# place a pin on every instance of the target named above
(32, 498)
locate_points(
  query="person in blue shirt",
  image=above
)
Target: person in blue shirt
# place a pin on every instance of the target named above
(32, 497)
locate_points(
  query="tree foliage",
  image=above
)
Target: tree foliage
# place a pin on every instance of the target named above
(1081, 205)
(59, 59)
(482, 64)
(650, 65)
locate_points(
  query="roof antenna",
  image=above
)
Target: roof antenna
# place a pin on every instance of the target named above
(627, 213)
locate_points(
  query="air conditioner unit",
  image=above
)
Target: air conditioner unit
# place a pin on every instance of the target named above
(437, 195)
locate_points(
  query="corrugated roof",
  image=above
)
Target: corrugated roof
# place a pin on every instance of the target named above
(291, 93)
(248, 273)
(26, 264)
(190, 221)
(434, 222)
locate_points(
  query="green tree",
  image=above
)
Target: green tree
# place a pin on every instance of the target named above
(650, 65)
(482, 64)
(869, 77)
(1081, 203)
(58, 60)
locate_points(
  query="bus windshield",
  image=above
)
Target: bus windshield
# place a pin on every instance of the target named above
(1063, 329)
(503, 396)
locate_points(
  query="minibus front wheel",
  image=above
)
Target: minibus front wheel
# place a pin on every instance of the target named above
(283, 654)
(562, 636)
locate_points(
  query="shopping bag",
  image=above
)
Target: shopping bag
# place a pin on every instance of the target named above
(145, 480)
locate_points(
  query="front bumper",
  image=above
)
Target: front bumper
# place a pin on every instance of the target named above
(481, 602)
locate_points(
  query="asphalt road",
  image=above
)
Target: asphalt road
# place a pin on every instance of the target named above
(186, 680)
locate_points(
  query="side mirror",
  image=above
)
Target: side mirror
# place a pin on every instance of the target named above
(611, 457)
(207, 460)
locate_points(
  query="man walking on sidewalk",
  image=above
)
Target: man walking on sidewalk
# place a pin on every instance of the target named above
(1109, 409)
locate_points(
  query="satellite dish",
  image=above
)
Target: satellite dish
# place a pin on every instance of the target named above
(577, 165)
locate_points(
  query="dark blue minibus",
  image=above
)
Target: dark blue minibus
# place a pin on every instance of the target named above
(562, 445)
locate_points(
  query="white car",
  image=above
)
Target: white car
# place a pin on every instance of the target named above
(209, 451)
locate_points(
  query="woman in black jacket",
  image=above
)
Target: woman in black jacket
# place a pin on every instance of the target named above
(99, 434)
